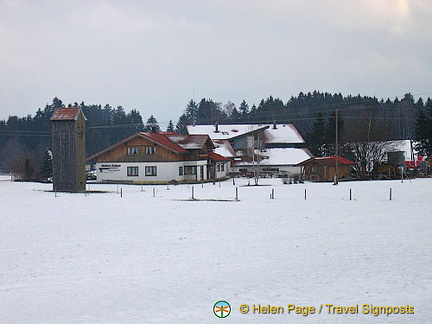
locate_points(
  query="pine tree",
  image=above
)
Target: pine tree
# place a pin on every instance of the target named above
(170, 127)
(191, 112)
(181, 124)
(244, 108)
(134, 118)
(317, 136)
(152, 125)
(330, 146)
(423, 130)
(46, 167)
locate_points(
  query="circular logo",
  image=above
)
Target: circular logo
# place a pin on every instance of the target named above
(222, 309)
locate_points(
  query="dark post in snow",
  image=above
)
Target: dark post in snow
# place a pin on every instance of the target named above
(336, 178)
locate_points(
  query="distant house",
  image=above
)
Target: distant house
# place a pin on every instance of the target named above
(324, 168)
(277, 148)
(148, 157)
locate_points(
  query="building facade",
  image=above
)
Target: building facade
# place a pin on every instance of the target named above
(149, 157)
(274, 149)
(324, 168)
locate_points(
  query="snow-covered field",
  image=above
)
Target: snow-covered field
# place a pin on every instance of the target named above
(103, 258)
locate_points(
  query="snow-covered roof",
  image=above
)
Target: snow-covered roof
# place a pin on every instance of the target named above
(282, 156)
(405, 146)
(283, 133)
(285, 156)
(224, 131)
(224, 148)
(328, 160)
(189, 142)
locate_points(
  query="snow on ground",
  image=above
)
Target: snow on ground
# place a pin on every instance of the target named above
(103, 258)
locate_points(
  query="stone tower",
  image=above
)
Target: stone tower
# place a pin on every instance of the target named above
(68, 147)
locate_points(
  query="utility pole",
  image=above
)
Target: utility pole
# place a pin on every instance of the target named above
(336, 178)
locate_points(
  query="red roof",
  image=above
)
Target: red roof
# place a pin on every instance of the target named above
(70, 113)
(328, 160)
(177, 143)
(217, 157)
(163, 140)
(189, 142)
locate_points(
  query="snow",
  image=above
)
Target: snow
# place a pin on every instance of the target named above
(284, 156)
(224, 131)
(405, 146)
(103, 258)
(283, 133)
(224, 148)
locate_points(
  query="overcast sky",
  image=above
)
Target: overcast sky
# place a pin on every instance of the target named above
(155, 56)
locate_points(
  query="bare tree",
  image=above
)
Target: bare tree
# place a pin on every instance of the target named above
(256, 152)
(368, 155)
(366, 144)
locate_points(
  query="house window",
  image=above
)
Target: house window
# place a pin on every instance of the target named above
(132, 171)
(314, 169)
(132, 150)
(150, 150)
(218, 167)
(181, 171)
(222, 166)
(190, 170)
(150, 171)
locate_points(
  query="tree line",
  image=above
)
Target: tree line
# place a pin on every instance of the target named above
(25, 142)
(362, 119)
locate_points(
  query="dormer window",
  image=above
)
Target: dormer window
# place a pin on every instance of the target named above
(132, 150)
(150, 150)
(224, 133)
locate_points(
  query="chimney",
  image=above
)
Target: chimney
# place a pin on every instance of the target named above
(154, 128)
(274, 124)
(216, 128)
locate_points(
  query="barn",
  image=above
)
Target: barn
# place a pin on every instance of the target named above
(324, 168)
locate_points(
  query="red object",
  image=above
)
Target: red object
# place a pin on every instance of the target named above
(217, 157)
(65, 113)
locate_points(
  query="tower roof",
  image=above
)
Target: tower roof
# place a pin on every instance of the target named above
(70, 113)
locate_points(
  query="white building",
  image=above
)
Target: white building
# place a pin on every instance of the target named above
(277, 148)
(148, 157)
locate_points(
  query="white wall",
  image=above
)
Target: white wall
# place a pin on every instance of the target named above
(224, 173)
(166, 171)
